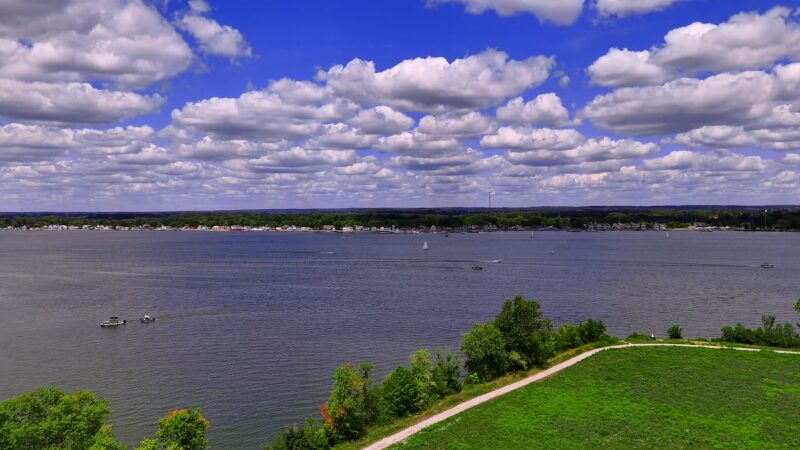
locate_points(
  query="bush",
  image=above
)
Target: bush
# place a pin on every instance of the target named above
(353, 403)
(568, 337)
(447, 373)
(50, 418)
(485, 350)
(637, 337)
(472, 379)
(402, 394)
(592, 331)
(421, 367)
(675, 332)
(525, 330)
(309, 436)
(183, 429)
(769, 334)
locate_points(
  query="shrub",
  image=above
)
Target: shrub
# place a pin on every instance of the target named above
(637, 336)
(447, 373)
(675, 332)
(402, 394)
(485, 350)
(309, 436)
(592, 331)
(568, 337)
(183, 429)
(421, 367)
(769, 334)
(525, 330)
(472, 379)
(516, 361)
(352, 404)
(50, 418)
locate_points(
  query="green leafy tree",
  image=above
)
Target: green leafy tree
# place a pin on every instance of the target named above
(421, 366)
(48, 418)
(568, 337)
(447, 373)
(525, 330)
(180, 429)
(592, 331)
(353, 404)
(402, 393)
(485, 350)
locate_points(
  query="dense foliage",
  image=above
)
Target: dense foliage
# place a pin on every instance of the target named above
(777, 218)
(768, 334)
(49, 418)
(520, 337)
(181, 429)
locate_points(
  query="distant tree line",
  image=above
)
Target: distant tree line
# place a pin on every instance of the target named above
(750, 218)
(519, 338)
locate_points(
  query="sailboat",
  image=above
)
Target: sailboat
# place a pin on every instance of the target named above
(425, 245)
(667, 236)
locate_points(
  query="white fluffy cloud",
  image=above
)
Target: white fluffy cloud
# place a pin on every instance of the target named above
(685, 104)
(126, 42)
(745, 41)
(465, 125)
(381, 120)
(214, 39)
(527, 138)
(435, 85)
(622, 8)
(417, 144)
(286, 109)
(71, 102)
(560, 12)
(545, 110)
(720, 160)
(24, 142)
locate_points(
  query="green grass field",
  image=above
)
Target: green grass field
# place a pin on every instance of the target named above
(640, 398)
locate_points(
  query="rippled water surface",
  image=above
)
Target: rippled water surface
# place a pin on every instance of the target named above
(252, 325)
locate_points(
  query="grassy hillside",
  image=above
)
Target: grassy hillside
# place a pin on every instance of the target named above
(641, 398)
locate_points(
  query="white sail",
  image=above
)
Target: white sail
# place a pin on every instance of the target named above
(425, 245)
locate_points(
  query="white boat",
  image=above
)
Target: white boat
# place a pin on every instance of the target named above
(425, 245)
(113, 321)
(147, 319)
(667, 236)
(767, 265)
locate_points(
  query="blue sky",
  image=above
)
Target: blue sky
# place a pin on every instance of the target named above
(177, 104)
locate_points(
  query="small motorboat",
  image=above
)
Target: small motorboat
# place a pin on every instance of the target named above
(147, 319)
(113, 321)
(477, 268)
(767, 265)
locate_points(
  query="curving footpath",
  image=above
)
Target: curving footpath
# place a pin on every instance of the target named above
(404, 434)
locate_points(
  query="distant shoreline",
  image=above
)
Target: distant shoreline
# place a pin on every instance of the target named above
(234, 229)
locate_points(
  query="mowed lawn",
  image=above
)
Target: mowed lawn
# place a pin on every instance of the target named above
(656, 397)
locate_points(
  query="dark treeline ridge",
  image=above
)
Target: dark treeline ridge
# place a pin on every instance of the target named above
(777, 217)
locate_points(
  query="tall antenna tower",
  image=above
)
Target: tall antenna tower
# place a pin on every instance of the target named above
(490, 199)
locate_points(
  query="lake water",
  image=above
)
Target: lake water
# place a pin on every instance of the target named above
(253, 324)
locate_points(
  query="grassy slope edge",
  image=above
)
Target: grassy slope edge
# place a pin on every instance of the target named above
(647, 397)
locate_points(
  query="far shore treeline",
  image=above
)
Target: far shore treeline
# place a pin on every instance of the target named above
(779, 218)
